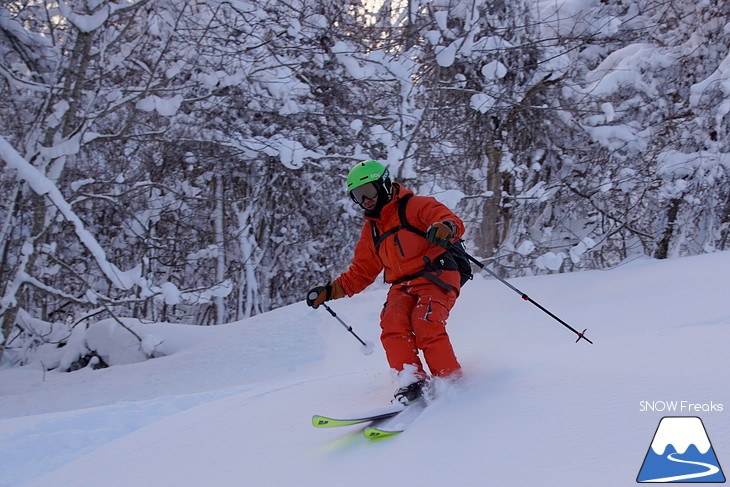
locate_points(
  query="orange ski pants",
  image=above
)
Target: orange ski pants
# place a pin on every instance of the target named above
(414, 318)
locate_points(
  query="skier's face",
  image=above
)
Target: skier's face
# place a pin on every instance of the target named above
(369, 203)
(368, 190)
(366, 196)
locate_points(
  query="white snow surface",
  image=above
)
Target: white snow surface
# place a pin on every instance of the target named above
(232, 405)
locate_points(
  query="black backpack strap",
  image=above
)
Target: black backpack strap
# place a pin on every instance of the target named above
(377, 238)
(432, 271)
(404, 220)
(376, 235)
(404, 225)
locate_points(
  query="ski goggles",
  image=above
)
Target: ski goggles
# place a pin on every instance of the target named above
(365, 191)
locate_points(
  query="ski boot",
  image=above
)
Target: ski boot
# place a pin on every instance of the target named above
(408, 394)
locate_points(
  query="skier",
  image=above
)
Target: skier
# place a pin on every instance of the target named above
(408, 236)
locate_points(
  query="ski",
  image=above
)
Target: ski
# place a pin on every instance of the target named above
(397, 423)
(319, 421)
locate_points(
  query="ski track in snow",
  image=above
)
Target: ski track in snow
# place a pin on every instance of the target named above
(535, 408)
(711, 470)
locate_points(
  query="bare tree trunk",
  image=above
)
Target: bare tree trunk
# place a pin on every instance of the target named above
(490, 234)
(662, 250)
(9, 314)
(220, 304)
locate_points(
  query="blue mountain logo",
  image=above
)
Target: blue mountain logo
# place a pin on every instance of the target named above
(681, 452)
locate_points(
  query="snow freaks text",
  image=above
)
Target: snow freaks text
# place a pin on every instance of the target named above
(680, 407)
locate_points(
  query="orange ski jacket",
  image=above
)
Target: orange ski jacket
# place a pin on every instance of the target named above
(402, 253)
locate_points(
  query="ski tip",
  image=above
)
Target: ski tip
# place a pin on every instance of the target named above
(324, 422)
(320, 421)
(373, 433)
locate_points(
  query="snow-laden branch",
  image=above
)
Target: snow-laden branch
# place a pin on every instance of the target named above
(41, 185)
(89, 22)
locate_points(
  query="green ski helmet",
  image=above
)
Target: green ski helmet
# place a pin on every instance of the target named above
(369, 179)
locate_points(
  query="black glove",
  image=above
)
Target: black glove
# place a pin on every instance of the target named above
(440, 233)
(318, 295)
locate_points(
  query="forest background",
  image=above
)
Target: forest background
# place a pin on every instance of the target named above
(184, 161)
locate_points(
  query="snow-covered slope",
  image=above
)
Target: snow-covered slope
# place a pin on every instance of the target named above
(233, 406)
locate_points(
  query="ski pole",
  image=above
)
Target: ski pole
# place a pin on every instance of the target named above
(581, 334)
(367, 347)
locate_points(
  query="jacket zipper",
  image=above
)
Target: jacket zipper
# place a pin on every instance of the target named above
(400, 247)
